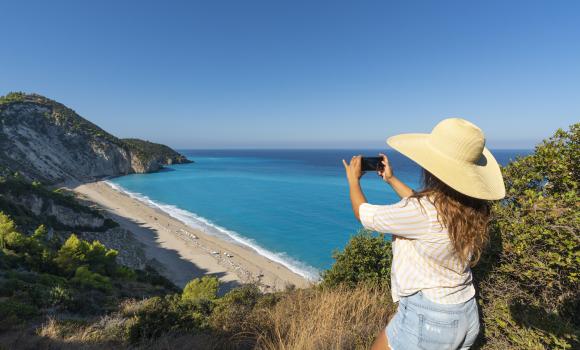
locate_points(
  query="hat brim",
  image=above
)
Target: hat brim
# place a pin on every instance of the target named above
(481, 180)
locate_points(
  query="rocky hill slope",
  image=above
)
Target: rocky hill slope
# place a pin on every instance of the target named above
(47, 141)
(149, 156)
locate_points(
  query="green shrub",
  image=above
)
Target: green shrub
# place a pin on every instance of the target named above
(529, 276)
(72, 254)
(201, 288)
(101, 259)
(76, 252)
(19, 249)
(125, 273)
(6, 228)
(59, 295)
(40, 233)
(13, 313)
(366, 258)
(12, 97)
(15, 241)
(87, 279)
(159, 315)
(234, 308)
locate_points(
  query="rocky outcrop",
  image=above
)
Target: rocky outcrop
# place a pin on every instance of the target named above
(144, 165)
(44, 140)
(149, 155)
(65, 215)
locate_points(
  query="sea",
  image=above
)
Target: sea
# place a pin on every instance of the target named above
(291, 206)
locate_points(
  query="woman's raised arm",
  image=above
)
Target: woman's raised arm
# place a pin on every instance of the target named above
(399, 186)
(353, 174)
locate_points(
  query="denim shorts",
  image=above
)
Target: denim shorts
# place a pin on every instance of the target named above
(423, 324)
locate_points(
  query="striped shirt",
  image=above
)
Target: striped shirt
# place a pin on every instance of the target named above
(423, 255)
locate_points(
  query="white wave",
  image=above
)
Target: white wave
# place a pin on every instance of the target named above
(201, 223)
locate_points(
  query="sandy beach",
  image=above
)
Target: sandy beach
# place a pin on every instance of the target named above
(186, 253)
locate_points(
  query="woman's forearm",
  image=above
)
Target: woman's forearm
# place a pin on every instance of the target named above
(357, 197)
(400, 188)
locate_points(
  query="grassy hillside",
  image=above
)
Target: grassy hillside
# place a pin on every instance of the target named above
(527, 282)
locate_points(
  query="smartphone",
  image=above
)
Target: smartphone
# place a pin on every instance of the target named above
(372, 163)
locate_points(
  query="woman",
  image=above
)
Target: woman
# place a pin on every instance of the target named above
(438, 234)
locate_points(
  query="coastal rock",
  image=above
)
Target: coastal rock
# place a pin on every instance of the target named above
(148, 156)
(144, 165)
(47, 141)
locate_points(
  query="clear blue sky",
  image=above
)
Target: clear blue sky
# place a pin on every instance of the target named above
(245, 73)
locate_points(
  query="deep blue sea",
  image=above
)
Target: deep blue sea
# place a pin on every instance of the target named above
(290, 205)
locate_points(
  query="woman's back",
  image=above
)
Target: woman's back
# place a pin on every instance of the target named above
(424, 257)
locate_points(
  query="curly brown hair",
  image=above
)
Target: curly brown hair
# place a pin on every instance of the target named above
(466, 218)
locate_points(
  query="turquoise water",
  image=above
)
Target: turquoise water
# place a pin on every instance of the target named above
(289, 205)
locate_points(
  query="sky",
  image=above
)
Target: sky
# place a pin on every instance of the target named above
(299, 74)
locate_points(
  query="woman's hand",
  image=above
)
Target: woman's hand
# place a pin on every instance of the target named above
(386, 172)
(353, 169)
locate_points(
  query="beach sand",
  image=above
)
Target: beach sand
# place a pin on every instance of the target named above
(171, 243)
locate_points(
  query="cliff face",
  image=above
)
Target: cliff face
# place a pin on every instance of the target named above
(62, 214)
(44, 140)
(149, 155)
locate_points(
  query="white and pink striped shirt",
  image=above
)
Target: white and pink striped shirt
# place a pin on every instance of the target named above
(423, 255)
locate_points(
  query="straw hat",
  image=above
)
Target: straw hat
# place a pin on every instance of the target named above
(455, 153)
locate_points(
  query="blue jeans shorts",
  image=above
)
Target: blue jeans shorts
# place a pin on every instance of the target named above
(423, 324)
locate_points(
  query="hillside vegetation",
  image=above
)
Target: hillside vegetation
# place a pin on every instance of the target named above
(155, 152)
(527, 282)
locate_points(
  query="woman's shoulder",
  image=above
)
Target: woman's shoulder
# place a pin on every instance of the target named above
(422, 203)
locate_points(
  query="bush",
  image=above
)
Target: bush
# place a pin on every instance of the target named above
(125, 273)
(87, 279)
(159, 315)
(76, 252)
(18, 249)
(40, 233)
(201, 288)
(13, 313)
(6, 228)
(529, 276)
(12, 97)
(366, 258)
(72, 254)
(234, 308)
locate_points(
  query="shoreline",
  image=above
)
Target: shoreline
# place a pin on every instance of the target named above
(186, 252)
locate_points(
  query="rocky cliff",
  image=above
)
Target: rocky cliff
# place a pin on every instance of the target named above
(148, 156)
(47, 141)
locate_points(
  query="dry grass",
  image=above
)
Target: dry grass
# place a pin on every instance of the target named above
(314, 318)
(326, 319)
(106, 332)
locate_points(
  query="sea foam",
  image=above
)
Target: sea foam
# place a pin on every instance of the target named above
(198, 222)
